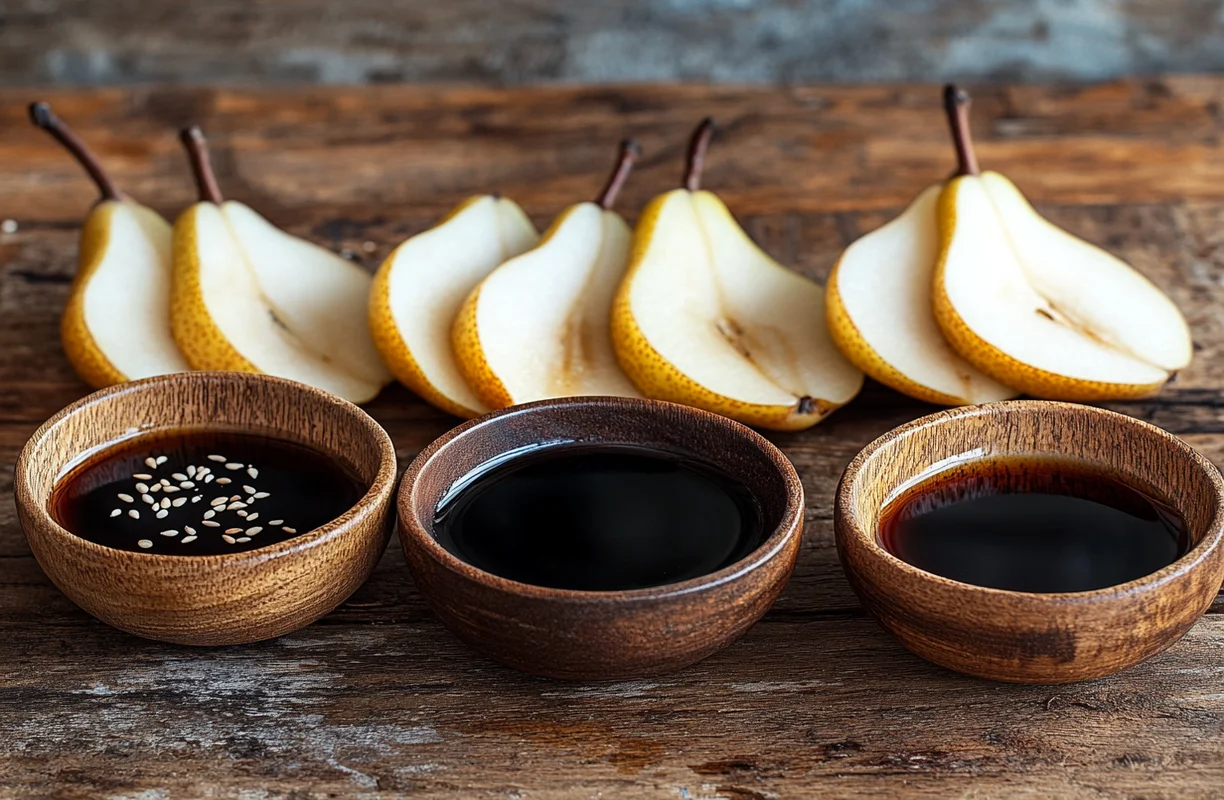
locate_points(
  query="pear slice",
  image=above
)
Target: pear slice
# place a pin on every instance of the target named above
(879, 308)
(1036, 308)
(537, 326)
(705, 318)
(251, 298)
(420, 288)
(116, 324)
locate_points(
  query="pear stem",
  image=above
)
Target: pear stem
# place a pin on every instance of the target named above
(197, 150)
(695, 161)
(629, 154)
(956, 105)
(42, 116)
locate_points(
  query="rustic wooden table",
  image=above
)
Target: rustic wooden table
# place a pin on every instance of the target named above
(816, 699)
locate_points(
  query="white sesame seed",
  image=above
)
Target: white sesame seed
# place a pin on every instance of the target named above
(209, 514)
(235, 506)
(127, 498)
(228, 539)
(233, 465)
(223, 481)
(260, 495)
(187, 485)
(188, 539)
(254, 473)
(148, 498)
(252, 517)
(197, 498)
(157, 487)
(151, 462)
(145, 543)
(191, 471)
(164, 482)
(179, 502)
(243, 539)
(233, 530)
(216, 457)
(143, 476)
(287, 529)
(190, 530)
(170, 532)
(116, 512)
(143, 488)
(171, 489)
(134, 514)
(240, 513)
(248, 489)
(162, 514)
(162, 460)
(211, 524)
(234, 497)
(208, 478)
(277, 522)
(178, 476)
(165, 502)
(218, 501)
(253, 531)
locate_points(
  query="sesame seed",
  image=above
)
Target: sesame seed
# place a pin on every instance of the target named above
(162, 460)
(209, 514)
(234, 497)
(151, 462)
(191, 471)
(211, 524)
(248, 489)
(208, 478)
(216, 457)
(253, 531)
(134, 514)
(252, 517)
(235, 506)
(233, 465)
(228, 539)
(187, 485)
(170, 532)
(143, 488)
(178, 476)
(164, 482)
(254, 473)
(179, 502)
(165, 502)
(157, 487)
(223, 481)
(190, 530)
(116, 512)
(188, 539)
(145, 543)
(287, 529)
(170, 489)
(148, 498)
(218, 501)
(240, 513)
(143, 476)
(127, 498)
(243, 539)
(162, 514)
(197, 498)
(260, 495)
(233, 530)
(277, 522)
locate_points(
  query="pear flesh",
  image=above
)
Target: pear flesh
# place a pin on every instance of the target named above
(537, 326)
(706, 318)
(250, 297)
(422, 285)
(879, 298)
(1042, 310)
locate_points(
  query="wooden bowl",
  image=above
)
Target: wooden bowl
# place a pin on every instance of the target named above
(597, 635)
(211, 599)
(1020, 636)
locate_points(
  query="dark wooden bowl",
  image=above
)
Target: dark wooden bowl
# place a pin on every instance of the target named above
(217, 599)
(587, 635)
(1019, 636)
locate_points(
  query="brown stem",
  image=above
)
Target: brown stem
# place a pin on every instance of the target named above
(197, 151)
(629, 154)
(956, 105)
(698, 144)
(42, 116)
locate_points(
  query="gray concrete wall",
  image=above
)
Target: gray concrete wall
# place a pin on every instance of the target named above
(75, 42)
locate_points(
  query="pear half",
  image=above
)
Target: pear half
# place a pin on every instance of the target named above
(116, 324)
(1037, 308)
(420, 288)
(537, 326)
(705, 318)
(879, 308)
(251, 298)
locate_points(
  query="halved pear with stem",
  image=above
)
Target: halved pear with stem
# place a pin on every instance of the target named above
(1037, 308)
(537, 326)
(249, 297)
(116, 325)
(879, 307)
(420, 288)
(705, 318)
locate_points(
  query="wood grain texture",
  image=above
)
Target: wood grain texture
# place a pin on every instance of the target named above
(816, 699)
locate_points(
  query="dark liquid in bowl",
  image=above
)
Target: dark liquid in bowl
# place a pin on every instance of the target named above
(274, 489)
(1032, 525)
(599, 518)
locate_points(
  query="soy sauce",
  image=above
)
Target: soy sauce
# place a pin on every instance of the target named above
(599, 518)
(1032, 525)
(202, 492)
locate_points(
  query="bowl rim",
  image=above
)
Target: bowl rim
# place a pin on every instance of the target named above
(790, 525)
(382, 483)
(844, 513)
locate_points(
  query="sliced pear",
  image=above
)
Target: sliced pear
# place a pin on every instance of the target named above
(705, 318)
(251, 298)
(116, 324)
(421, 286)
(1037, 308)
(537, 326)
(879, 307)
